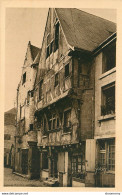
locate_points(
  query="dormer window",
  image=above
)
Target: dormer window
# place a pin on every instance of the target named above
(56, 46)
(24, 78)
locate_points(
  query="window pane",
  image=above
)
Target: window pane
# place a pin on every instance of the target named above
(109, 57)
(111, 155)
(108, 100)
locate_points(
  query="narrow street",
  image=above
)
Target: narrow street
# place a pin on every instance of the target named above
(11, 179)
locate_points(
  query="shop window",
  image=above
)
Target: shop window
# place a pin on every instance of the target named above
(108, 99)
(40, 90)
(7, 136)
(77, 167)
(67, 120)
(56, 79)
(107, 154)
(67, 70)
(109, 57)
(56, 46)
(24, 78)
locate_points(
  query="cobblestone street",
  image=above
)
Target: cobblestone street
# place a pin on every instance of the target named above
(11, 179)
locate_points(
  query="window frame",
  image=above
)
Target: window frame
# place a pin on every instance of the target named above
(52, 122)
(106, 152)
(76, 172)
(31, 127)
(56, 39)
(107, 62)
(107, 100)
(40, 90)
(67, 128)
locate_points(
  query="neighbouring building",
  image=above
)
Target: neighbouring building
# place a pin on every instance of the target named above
(25, 113)
(9, 133)
(105, 82)
(73, 115)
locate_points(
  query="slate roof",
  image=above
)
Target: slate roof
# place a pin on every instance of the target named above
(34, 51)
(83, 30)
(9, 117)
(11, 111)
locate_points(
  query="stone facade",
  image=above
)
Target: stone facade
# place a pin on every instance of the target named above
(26, 136)
(9, 133)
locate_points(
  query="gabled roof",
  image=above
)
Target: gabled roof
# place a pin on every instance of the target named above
(9, 117)
(34, 53)
(11, 111)
(83, 30)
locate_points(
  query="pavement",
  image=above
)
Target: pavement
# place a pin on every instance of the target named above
(11, 179)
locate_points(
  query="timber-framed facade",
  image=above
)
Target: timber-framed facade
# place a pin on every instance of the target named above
(73, 93)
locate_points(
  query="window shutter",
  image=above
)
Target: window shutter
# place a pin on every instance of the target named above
(90, 154)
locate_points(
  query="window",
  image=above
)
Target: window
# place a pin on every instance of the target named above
(24, 78)
(107, 154)
(7, 136)
(108, 100)
(51, 47)
(31, 93)
(31, 127)
(48, 52)
(109, 57)
(53, 122)
(56, 37)
(56, 79)
(40, 90)
(67, 70)
(45, 125)
(67, 120)
(77, 166)
(22, 112)
(102, 154)
(111, 155)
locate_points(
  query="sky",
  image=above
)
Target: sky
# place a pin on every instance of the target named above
(24, 25)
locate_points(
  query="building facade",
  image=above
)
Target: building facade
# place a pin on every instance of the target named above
(105, 76)
(66, 105)
(25, 114)
(9, 133)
